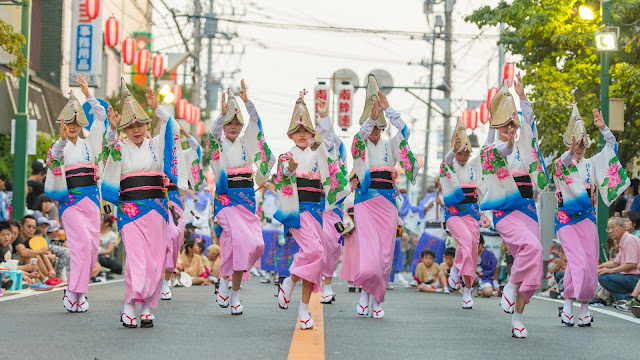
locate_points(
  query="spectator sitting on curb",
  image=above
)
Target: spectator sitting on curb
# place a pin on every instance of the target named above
(621, 275)
(24, 254)
(29, 271)
(634, 301)
(61, 253)
(485, 270)
(428, 274)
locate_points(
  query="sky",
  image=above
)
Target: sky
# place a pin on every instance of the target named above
(278, 63)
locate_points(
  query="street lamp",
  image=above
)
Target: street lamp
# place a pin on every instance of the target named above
(606, 41)
(586, 13)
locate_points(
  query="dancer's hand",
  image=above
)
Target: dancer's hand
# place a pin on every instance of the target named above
(84, 85)
(382, 98)
(512, 135)
(518, 86)
(64, 131)
(293, 165)
(598, 119)
(224, 105)
(243, 91)
(152, 98)
(457, 143)
(323, 108)
(114, 118)
(375, 110)
(575, 145)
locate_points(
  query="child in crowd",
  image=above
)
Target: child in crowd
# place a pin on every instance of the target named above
(486, 267)
(213, 256)
(447, 264)
(5, 254)
(428, 274)
(193, 263)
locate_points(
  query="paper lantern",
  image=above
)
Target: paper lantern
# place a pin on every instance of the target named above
(112, 32)
(483, 113)
(143, 61)
(181, 108)
(507, 73)
(345, 105)
(188, 113)
(197, 115)
(129, 50)
(320, 92)
(194, 114)
(177, 92)
(200, 127)
(492, 92)
(466, 117)
(92, 7)
(473, 119)
(157, 66)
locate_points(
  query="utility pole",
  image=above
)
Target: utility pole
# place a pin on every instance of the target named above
(22, 120)
(428, 132)
(500, 56)
(448, 65)
(195, 95)
(602, 209)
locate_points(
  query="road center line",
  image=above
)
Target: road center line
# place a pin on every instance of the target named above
(309, 344)
(596, 309)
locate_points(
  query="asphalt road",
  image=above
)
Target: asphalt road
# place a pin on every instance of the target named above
(192, 325)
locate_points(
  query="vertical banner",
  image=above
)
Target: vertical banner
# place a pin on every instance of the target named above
(320, 92)
(345, 105)
(86, 45)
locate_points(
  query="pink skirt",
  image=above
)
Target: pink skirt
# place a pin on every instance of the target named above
(376, 220)
(580, 244)
(350, 257)
(308, 261)
(330, 242)
(175, 238)
(241, 241)
(144, 241)
(466, 231)
(521, 235)
(81, 224)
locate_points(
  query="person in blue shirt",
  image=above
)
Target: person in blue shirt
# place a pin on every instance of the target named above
(485, 270)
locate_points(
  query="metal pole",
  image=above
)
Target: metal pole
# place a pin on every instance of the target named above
(500, 56)
(448, 65)
(602, 208)
(428, 132)
(22, 120)
(195, 95)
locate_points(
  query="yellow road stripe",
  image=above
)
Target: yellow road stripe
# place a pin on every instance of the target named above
(309, 344)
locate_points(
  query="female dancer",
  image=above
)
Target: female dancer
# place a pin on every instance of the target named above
(575, 178)
(134, 179)
(374, 160)
(71, 180)
(302, 178)
(459, 177)
(511, 169)
(232, 157)
(175, 228)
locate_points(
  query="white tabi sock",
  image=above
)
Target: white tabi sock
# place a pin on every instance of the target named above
(466, 294)
(235, 297)
(364, 298)
(516, 320)
(568, 307)
(327, 290)
(584, 310)
(165, 286)
(303, 311)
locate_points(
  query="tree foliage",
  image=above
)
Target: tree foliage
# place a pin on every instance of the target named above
(43, 142)
(11, 42)
(562, 64)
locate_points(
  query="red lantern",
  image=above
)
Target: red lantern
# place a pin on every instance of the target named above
(143, 61)
(197, 116)
(181, 108)
(320, 92)
(466, 116)
(129, 50)
(92, 7)
(483, 113)
(507, 73)
(200, 127)
(194, 114)
(177, 92)
(157, 67)
(112, 32)
(188, 113)
(492, 92)
(473, 119)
